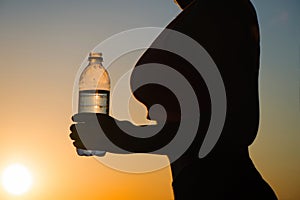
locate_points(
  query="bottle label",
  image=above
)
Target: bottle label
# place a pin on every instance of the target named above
(94, 101)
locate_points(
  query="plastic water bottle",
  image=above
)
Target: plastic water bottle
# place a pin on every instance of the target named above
(94, 91)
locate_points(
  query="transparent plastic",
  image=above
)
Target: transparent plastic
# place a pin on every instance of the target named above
(94, 92)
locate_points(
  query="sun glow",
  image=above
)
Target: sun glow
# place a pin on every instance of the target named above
(16, 179)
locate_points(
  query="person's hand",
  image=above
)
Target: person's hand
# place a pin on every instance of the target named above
(101, 132)
(88, 133)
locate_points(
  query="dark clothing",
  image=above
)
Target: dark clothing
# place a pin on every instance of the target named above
(229, 32)
(231, 177)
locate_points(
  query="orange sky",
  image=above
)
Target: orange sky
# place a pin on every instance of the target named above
(42, 45)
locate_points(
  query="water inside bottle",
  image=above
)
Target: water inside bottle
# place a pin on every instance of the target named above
(94, 101)
(84, 152)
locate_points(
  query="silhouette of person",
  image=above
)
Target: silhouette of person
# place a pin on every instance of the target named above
(229, 32)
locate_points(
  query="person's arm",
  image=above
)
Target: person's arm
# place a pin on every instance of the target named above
(101, 132)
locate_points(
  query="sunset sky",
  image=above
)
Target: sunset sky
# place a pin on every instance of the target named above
(42, 45)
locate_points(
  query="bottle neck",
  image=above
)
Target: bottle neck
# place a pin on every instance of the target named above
(95, 61)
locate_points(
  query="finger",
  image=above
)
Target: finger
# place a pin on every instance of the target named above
(77, 118)
(74, 133)
(78, 144)
(87, 117)
(74, 136)
(73, 128)
(83, 117)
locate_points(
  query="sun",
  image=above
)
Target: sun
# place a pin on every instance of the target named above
(16, 179)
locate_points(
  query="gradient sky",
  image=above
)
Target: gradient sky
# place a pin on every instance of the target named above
(42, 45)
